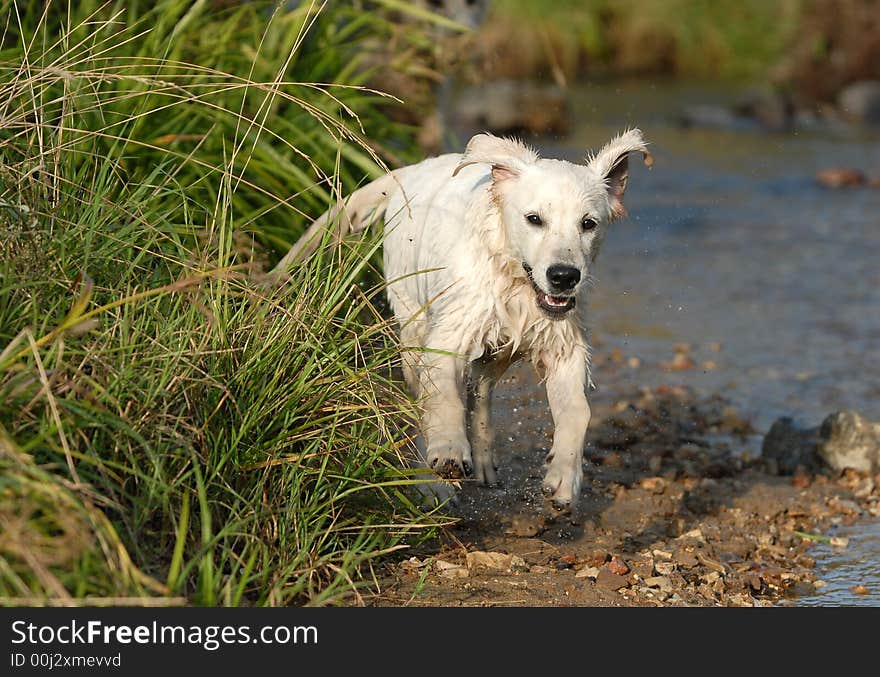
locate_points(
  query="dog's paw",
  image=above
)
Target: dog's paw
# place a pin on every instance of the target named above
(450, 459)
(485, 470)
(562, 486)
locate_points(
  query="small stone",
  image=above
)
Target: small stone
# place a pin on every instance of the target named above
(642, 568)
(841, 177)
(695, 534)
(587, 572)
(655, 463)
(526, 525)
(860, 101)
(740, 600)
(848, 440)
(540, 569)
(656, 485)
(597, 557)
(664, 568)
(569, 558)
(662, 554)
(686, 559)
(679, 362)
(661, 582)
(414, 563)
(617, 566)
(819, 584)
(497, 561)
(839, 541)
(450, 569)
(864, 487)
(860, 590)
(634, 363)
(610, 581)
(844, 506)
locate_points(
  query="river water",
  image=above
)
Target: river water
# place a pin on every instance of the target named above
(731, 241)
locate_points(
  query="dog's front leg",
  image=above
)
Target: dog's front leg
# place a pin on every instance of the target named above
(571, 415)
(443, 416)
(485, 372)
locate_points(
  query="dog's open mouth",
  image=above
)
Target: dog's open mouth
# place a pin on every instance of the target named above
(552, 305)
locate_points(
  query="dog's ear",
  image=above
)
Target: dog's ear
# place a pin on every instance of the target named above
(507, 156)
(612, 164)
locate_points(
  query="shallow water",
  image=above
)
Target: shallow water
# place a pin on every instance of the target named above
(731, 241)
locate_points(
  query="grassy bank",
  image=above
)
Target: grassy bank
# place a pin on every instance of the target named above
(690, 38)
(170, 431)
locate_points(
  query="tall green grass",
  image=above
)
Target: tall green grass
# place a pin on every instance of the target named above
(170, 430)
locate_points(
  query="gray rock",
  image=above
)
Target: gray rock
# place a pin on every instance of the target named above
(844, 440)
(713, 116)
(860, 101)
(848, 440)
(771, 107)
(513, 106)
(789, 446)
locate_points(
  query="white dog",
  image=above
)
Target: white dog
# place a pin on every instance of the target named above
(487, 258)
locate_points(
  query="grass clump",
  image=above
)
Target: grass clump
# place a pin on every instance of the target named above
(170, 431)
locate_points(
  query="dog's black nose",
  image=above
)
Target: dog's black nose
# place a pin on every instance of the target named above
(563, 278)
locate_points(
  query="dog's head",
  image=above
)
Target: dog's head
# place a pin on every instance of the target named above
(554, 213)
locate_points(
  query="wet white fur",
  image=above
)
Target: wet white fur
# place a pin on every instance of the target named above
(456, 240)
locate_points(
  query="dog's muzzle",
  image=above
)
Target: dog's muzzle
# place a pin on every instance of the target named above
(554, 305)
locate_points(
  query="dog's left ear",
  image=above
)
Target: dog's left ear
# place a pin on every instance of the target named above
(508, 157)
(612, 164)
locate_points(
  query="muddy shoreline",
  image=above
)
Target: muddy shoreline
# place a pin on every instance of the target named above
(678, 509)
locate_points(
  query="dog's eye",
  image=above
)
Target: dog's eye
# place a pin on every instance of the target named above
(588, 224)
(534, 219)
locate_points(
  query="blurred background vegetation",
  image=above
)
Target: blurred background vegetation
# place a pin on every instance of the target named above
(813, 46)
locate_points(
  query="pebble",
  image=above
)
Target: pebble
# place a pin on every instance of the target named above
(845, 506)
(661, 582)
(695, 534)
(664, 568)
(680, 362)
(497, 561)
(586, 572)
(610, 581)
(540, 569)
(597, 557)
(642, 568)
(450, 569)
(526, 526)
(617, 566)
(656, 485)
(839, 541)
(686, 559)
(860, 590)
(840, 177)
(864, 488)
